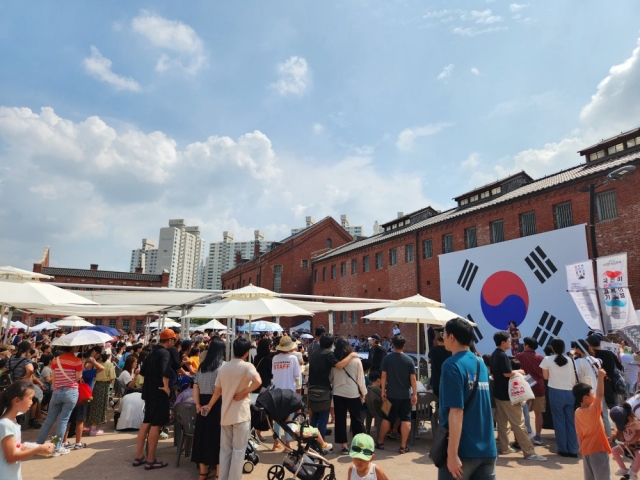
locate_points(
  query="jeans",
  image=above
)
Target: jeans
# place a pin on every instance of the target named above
(62, 403)
(233, 443)
(481, 468)
(320, 420)
(527, 417)
(605, 418)
(563, 412)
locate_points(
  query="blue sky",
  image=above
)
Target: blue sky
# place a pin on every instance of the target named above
(237, 116)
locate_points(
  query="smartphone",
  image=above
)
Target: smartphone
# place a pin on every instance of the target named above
(204, 411)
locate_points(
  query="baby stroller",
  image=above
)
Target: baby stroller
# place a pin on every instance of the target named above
(304, 462)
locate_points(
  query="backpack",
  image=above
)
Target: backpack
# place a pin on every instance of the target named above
(618, 382)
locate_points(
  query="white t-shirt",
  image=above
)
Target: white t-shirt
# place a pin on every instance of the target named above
(560, 378)
(125, 377)
(585, 366)
(285, 369)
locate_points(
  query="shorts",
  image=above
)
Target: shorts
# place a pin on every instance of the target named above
(79, 413)
(399, 409)
(538, 404)
(156, 411)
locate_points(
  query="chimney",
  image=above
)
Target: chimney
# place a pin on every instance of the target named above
(94, 266)
(400, 214)
(238, 257)
(165, 278)
(37, 268)
(139, 270)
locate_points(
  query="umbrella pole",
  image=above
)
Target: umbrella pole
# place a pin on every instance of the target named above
(418, 351)
(6, 329)
(9, 317)
(183, 324)
(331, 314)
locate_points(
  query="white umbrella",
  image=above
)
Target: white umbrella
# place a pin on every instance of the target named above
(212, 325)
(167, 324)
(249, 302)
(306, 336)
(15, 324)
(72, 321)
(262, 326)
(82, 337)
(416, 309)
(43, 326)
(25, 294)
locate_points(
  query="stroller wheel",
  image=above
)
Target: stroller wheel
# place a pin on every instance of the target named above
(255, 459)
(275, 472)
(247, 467)
(331, 476)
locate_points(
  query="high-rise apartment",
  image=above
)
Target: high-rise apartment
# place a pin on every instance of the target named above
(354, 230)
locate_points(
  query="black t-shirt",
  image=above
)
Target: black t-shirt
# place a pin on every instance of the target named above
(156, 366)
(500, 364)
(399, 368)
(321, 362)
(376, 355)
(263, 365)
(437, 355)
(609, 361)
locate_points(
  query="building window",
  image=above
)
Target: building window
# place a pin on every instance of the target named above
(277, 278)
(607, 206)
(470, 238)
(497, 231)
(343, 317)
(485, 194)
(354, 266)
(354, 317)
(496, 190)
(365, 263)
(139, 325)
(408, 253)
(447, 243)
(563, 215)
(324, 274)
(305, 263)
(597, 155)
(334, 274)
(126, 324)
(97, 321)
(528, 224)
(464, 201)
(39, 320)
(315, 276)
(473, 198)
(379, 260)
(615, 149)
(427, 249)
(329, 243)
(113, 323)
(393, 256)
(364, 314)
(343, 269)
(634, 142)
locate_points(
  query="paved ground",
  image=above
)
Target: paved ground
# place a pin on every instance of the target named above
(110, 456)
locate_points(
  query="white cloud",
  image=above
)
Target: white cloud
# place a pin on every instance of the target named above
(100, 67)
(318, 128)
(485, 17)
(616, 103)
(473, 31)
(179, 38)
(518, 7)
(295, 77)
(472, 161)
(475, 71)
(446, 72)
(437, 13)
(407, 138)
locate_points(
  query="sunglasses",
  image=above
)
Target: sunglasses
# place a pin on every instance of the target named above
(357, 449)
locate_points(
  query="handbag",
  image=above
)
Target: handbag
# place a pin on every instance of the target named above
(438, 453)
(6, 378)
(319, 398)
(519, 389)
(84, 391)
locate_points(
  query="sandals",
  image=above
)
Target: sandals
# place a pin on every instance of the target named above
(155, 464)
(138, 461)
(380, 446)
(403, 449)
(207, 476)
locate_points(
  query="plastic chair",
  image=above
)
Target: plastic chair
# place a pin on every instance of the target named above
(426, 409)
(185, 426)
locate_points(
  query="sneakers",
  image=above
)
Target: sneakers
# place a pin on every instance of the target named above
(326, 448)
(511, 450)
(35, 424)
(344, 451)
(95, 432)
(67, 445)
(164, 435)
(633, 475)
(537, 458)
(60, 451)
(621, 472)
(393, 436)
(537, 440)
(79, 446)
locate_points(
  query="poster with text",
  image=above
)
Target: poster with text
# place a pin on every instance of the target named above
(582, 289)
(613, 285)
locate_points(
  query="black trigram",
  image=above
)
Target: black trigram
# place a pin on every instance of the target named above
(548, 327)
(467, 274)
(477, 335)
(541, 266)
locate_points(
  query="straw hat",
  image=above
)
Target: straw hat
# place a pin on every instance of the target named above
(286, 345)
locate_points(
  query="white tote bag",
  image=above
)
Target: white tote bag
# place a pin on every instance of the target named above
(519, 389)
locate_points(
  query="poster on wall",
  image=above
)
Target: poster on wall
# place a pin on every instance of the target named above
(582, 289)
(613, 285)
(521, 281)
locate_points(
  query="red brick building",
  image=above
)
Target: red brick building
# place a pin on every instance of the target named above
(403, 259)
(94, 276)
(286, 267)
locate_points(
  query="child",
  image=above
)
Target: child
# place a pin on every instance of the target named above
(592, 439)
(361, 452)
(627, 430)
(312, 432)
(16, 399)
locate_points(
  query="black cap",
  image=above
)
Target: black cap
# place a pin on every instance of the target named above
(375, 337)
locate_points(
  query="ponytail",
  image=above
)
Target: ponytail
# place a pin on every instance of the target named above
(558, 347)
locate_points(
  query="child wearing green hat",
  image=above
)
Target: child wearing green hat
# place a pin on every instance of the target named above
(361, 452)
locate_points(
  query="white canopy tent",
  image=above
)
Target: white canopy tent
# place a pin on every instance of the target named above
(304, 327)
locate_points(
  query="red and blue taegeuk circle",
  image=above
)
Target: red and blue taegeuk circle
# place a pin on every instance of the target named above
(504, 298)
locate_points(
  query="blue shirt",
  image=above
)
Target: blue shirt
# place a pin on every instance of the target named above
(456, 384)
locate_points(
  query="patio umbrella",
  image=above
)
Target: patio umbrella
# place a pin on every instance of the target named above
(14, 324)
(167, 324)
(72, 321)
(108, 330)
(416, 309)
(249, 302)
(82, 337)
(43, 326)
(306, 336)
(212, 325)
(262, 326)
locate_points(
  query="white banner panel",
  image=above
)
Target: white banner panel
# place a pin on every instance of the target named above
(582, 289)
(520, 280)
(613, 283)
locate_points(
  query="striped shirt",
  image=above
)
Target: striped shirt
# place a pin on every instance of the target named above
(70, 364)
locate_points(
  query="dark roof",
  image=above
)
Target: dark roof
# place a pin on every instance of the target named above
(501, 181)
(77, 272)
(606, 141)
(573, 174)
(428, 209)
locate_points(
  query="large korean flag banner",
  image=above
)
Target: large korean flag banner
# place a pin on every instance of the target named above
(521, 280)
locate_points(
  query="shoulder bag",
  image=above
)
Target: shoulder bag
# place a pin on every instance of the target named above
(438, 453)
(85, 393)
(6, 378)
(354, 381)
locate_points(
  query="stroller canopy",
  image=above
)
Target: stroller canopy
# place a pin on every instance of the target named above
(279, 403)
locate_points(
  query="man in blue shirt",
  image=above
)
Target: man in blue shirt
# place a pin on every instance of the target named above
(472, 446)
